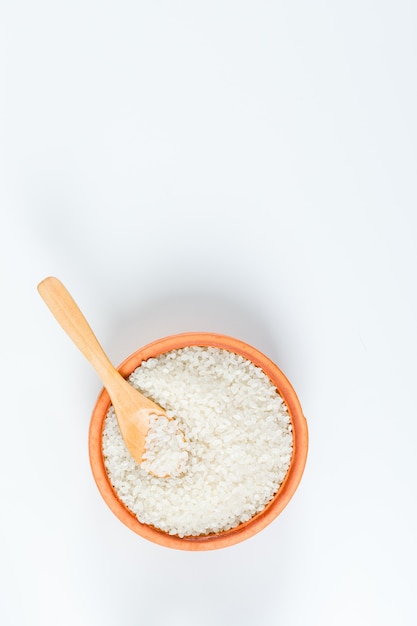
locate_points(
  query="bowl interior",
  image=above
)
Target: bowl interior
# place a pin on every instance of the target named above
(286, 489)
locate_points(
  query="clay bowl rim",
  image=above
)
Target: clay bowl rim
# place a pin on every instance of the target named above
(284, 493)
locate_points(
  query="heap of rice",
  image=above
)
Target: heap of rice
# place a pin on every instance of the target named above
(238, 440)
(165, 448)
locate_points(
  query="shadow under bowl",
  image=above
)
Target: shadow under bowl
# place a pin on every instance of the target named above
(257, 522)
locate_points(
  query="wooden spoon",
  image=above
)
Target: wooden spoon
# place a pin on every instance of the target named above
(133, 410)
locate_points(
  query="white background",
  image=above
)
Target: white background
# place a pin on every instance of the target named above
(240, 167)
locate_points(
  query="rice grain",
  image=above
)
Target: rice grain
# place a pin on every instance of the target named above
(238, 443)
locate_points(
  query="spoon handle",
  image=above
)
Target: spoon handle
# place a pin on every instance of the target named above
(69, 316)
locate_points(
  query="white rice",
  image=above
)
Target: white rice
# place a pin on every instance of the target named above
(239, 443)
(166, 452)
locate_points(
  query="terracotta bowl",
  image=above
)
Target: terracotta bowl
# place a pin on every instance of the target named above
(273, 508)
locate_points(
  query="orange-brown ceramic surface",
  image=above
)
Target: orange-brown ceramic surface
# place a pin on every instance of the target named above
(281, 498)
